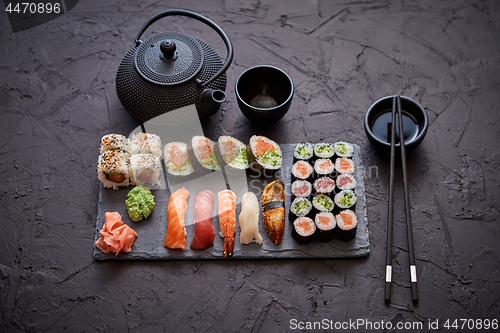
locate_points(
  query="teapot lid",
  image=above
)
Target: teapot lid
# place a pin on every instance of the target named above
(169, 58)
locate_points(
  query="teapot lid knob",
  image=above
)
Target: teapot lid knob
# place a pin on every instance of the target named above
(168, 48)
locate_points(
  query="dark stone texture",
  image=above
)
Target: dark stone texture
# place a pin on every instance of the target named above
(58, 98)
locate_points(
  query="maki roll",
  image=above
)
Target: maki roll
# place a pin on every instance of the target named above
(346, 181)
(324, 185)
(325, 226)
(264, 154)
(113, 169)
(114, 142)
(301, 170)
(324, 150)
(344, 165)
(145, 143)
(232, 152)
(343, 149)
(301, 188)
(324, 167)
(202, 154)
(345, 199)
(145, 168)
(300, 207)
(303, 151)
(347, 223)
(177, 159)
(303, 230)
(322, 203)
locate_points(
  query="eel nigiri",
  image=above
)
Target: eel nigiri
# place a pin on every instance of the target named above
(249, 219)
(227, 219)
(204, 231)
(273, 207)
(176, 230)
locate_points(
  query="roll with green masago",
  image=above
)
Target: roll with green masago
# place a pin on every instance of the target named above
(303, 151)
(300, 206)
(177, 159)
(324, 150)
(343, 149)
(202, 154)
(145, 169)
(322, 203)
(345, 199)
(145, 143)
(113, 169)
(264, 154)
(232, 152)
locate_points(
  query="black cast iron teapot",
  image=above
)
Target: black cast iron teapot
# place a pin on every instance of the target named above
(170, 70)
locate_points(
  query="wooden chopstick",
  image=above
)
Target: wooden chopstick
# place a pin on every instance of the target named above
(409, 227)
(388, 267)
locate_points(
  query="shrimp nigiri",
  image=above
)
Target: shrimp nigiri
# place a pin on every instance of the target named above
(176, 230)
(227, 219)
(204, 231)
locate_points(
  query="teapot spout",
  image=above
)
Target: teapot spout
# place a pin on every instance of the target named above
(210, 101)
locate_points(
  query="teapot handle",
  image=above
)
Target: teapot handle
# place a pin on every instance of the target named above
(203, 19)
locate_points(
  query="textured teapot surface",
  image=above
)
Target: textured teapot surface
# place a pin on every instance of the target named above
(171, 70)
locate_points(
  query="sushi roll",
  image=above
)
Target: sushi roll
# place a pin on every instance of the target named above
(344, 165)
(345, 199)
(145, 143)
(300, 207)
(264, 154)
(177, 159)
(114, 142)
(324, 167)
(202, 154)
(145, 168)
(346, 181)
(303, 152)
(232, 152)
(324, 150)
(301, 170)
(322, 203)
(343, 149)
(324, 185)
(113, 169)
(325, 226)
(301, 188)
(303, 230)
(347, 223)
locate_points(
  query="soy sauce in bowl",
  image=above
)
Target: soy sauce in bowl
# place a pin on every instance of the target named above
(381, 127)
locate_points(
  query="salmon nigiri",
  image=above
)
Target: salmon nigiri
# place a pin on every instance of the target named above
(204, 231)
(176, 230)
(227, 219)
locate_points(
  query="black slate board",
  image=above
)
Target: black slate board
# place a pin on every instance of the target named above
(151, 232)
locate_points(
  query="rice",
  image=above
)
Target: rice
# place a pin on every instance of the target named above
(145, 143)
(114, 164)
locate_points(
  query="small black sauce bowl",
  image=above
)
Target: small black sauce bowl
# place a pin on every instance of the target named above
(264, 94)
(410, 108)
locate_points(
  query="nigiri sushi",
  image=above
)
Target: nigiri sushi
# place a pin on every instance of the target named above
(227, 219)
(249, 219)
(273, 208)
(176, 230)
(204, 231)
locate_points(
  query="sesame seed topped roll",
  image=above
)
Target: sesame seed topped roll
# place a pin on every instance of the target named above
(113, 168)
(114, 142)
(145, 143)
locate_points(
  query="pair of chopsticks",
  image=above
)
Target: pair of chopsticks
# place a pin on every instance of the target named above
(413, 268)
